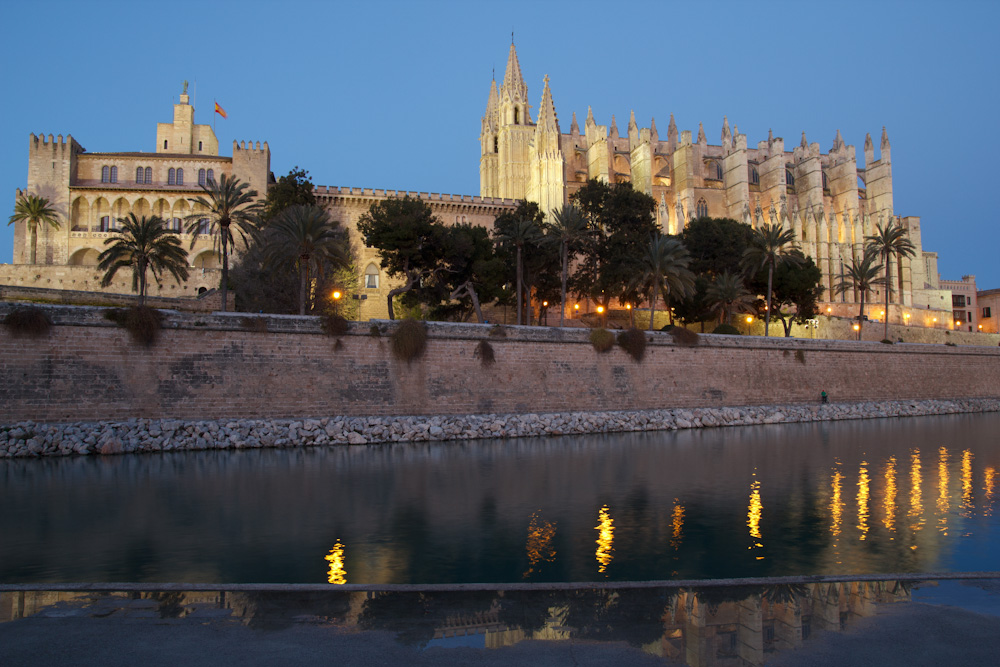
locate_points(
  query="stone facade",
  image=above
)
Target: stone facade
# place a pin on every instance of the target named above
(90, 191)
(964, 304)
(989, 310)
(829, 201)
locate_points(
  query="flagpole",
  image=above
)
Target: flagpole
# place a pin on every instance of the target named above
(214, 114)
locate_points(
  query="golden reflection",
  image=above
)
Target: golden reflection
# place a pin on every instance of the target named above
(337, 574)
(539, 544)
(889, 501)
(863, 495)
(677, 521)
(967, 503)
(836, 506)
(942, 499)
(989, 483)
(605, 539)
(753, 516)
(916, 498)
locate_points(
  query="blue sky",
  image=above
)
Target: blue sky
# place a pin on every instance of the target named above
(390, 94)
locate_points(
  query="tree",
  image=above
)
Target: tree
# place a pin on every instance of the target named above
(569, 229)
(663, 267)
(727, 294)
(716, 245)
(770, 245)
(225, 204)
(409, 239)
(888, 240)
(861, 276)
(143, 244)
(33, 210)
(796, 286)
(622, 222)
(306, 237)
(525, 232)
(296, 188)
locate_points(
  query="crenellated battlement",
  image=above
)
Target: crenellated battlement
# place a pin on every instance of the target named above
(39, 142)
(376, 193)
(248, 146)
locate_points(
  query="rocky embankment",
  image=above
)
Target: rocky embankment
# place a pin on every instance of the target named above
(32, 439)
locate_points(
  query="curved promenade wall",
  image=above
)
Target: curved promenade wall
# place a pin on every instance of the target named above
(214, 367)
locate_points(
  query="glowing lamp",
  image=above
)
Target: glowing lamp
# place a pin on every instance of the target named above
(545, 304)
(749, 319)
(628, 306)
(336, 294)
(600, 309)
(576, 306)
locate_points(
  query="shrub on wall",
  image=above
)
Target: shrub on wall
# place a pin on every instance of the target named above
(727, 329)
(497, 331)
(800, 356)
(142, 323)
(484, 352)
(602, 339)
(27, 321)
(684, 336)
(334, 325)
(409, 340)
(633, 341)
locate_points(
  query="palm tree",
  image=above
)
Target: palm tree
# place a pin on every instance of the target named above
(143, 244)
(727, 294)
(524, 232)
(568, 228)
(304, 235)
(664, 267)
(33, 210)
(228, 203)
(889, 240)
(861, 275)
(771, 245)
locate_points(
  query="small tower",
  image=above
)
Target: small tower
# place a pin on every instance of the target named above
(547, 183)
(183, 137)
(515, 132)
(489, 185)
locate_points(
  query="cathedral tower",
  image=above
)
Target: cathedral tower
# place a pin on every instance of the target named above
(515, 132)
(547, 184)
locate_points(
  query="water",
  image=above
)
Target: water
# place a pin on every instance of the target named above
(840, 498)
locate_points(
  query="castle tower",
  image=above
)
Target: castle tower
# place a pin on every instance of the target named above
(515, 132)
(183, 137)
(547, 184)
(489, 185)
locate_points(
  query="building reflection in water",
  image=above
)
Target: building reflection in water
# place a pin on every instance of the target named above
(539, 546)
(754, 511)
(605, 539)
(337, 573)
(705, 627)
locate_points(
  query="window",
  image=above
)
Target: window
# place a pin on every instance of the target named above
(105, 223)
(211, 176)
(371, 277)
(203, 225)
(201, 177)
(754, 175)
(701, 210)
(713, 170)
(957, 301)
(199, 145)
(826, 186)
(968, 301)
(515, 116)
(180, 177)
(149, 174)
(172, 176)
(496, 145)
(140, 175)
(789, 179)
(105, 174)
(114, 174)
(986, 312)
(164, 144)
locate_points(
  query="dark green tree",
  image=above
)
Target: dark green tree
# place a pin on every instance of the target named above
(770, 245)
(663, 269)
(143, 245)
(570, 231)
(410, 240)
(727, 295)
(861, 275)
(295, 188)
(519, 241)
(796, 294)
(716, 245)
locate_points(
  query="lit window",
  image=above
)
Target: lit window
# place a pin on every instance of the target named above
(180, 177)
(172, 176)
(701, 210)
(105, 174)
(201, 177)
(371, 277)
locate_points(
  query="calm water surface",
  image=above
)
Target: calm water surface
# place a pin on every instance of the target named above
(874, 496)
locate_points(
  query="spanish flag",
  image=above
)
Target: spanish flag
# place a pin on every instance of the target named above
(219, 110)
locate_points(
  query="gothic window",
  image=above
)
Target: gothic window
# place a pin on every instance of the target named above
(701, 210)
(211, 175)
(713, 170)
(105, 174)
(201, 177)
(516, 121)
(172, 176)
(140, 175)
(789, 179)
(180, 177)
(149, 174)
(114, 174)
(826, 186)
(754, 175)
(496, 145)
(371, 277)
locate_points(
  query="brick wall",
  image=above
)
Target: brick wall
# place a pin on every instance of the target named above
(211, 366)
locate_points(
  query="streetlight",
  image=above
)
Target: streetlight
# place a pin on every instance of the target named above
(545, 311)
(600, 311)
(857, 327)
(336, 301)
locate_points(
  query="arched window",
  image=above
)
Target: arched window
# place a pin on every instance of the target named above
(105, 174)
(114, 174)
(164, 144)
(211, 176)
(172, 176)
(199, 145)
(201, 177)
(754, 175)
(516, 121)
(140, 175)
(203, 225)
(149, 174)
(180, 177)
(175, 225)
(789, 179)
(496, 145)
(701, 210)
(371, 277)
(826, 186)
(105, 223)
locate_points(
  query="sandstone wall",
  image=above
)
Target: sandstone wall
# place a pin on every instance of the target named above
(215, 367)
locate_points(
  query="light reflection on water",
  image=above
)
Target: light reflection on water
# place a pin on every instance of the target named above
(669, 505)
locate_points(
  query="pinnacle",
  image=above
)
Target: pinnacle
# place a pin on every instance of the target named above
(547, 120)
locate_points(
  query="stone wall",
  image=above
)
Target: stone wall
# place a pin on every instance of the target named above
(220, 366)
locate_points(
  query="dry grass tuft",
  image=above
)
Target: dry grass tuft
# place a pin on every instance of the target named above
(334, 325)
(142, 323)
(27, 322)
(684, 336)
(484, 352)
(633, 341)
(409, 340)
(602, 339)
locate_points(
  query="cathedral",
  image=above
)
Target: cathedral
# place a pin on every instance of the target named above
(828, 200)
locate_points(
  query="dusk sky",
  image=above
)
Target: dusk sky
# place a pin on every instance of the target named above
(390, 94)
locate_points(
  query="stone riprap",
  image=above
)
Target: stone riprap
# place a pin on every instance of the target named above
(32, 439)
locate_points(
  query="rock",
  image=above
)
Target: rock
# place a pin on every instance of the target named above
(356, 438)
